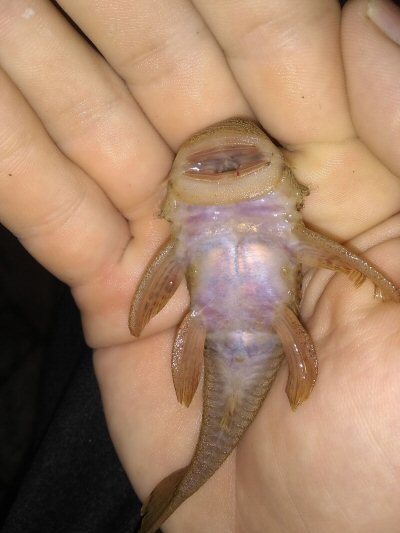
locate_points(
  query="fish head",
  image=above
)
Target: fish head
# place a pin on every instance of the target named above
(228, 162)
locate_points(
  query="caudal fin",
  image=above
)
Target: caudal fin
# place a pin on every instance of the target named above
(162, 502)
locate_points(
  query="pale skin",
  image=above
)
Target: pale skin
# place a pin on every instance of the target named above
(82, 169)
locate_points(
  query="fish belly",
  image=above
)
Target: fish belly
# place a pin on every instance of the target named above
(241, 284)
(241, 275)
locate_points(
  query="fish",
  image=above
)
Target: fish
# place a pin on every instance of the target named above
(238, 237)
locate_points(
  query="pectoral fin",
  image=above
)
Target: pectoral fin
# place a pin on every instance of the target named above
(319, 251)
(159, 282)
(302, 360)
(187, 357)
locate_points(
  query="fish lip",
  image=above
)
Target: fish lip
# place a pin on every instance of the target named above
(227, 160)
(253, 167)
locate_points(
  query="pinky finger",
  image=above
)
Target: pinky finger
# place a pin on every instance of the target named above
(59, 214)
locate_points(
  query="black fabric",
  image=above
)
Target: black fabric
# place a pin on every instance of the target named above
(26, 292)
(59, 471)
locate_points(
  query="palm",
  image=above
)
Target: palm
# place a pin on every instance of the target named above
(292, 471)
(334, 460)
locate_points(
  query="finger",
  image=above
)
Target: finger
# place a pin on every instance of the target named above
(346, 198)
(286, 56)
(60, 215)
(169, 59)
(372, 60)
(82, 102)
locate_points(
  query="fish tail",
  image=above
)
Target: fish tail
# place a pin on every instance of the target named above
(226, 416)
(161, 502)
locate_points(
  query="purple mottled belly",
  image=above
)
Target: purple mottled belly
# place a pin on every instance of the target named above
(243, 267)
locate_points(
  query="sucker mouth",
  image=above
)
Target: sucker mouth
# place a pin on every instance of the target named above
(230, 160)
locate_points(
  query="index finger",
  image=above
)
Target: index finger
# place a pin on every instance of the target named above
(168, 58)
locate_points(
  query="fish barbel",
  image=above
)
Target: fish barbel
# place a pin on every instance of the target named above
(237, 235)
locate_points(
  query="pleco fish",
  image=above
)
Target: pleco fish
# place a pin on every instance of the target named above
(238, 237)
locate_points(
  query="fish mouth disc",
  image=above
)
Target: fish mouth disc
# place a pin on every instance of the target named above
(228, 162)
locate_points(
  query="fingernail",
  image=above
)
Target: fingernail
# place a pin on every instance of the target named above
(386, 15)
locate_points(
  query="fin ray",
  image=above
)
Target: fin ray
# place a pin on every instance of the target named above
(156, 509)
(187, 357)
(319, 251)
(302, 360)
(158, 284)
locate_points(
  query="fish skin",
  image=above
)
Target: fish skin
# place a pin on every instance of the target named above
(237, 252)
(242, 253)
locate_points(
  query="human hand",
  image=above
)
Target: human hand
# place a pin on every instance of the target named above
(82, 169)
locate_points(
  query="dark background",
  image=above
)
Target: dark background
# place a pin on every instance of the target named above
(58, 469)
